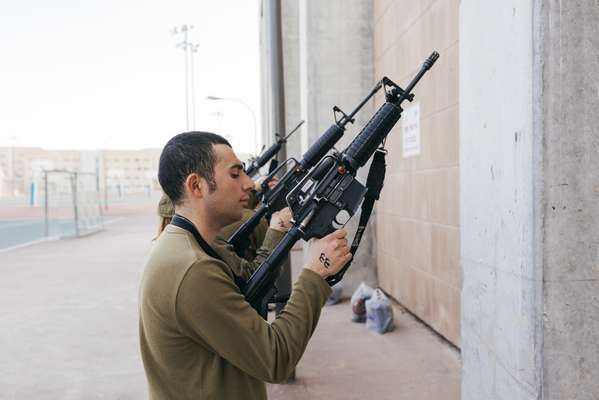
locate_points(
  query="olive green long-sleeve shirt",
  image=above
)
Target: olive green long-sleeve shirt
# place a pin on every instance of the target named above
(200, 339)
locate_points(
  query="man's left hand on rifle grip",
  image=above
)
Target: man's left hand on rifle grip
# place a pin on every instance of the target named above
(271, 183)
(281, 220)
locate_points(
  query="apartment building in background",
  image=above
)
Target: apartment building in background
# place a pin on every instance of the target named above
(121, 172)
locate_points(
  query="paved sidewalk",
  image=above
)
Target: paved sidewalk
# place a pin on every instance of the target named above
(68, 330)
(68, 316)
(345, 361)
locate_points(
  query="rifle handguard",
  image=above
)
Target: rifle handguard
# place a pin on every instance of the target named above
(263, 159)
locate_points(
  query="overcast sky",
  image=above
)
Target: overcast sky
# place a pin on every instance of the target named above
(77, 74)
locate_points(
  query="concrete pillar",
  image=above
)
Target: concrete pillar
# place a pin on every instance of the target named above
(336, 67)
(569, 62)
(529, 88)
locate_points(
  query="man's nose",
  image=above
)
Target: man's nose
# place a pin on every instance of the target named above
(248, 183)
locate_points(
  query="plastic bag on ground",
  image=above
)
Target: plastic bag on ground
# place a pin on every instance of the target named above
(358, 299)
(379, 313)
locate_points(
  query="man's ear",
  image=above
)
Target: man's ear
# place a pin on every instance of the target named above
(195, 185)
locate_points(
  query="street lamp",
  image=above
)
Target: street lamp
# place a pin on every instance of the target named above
(189, 48)
(246, 106)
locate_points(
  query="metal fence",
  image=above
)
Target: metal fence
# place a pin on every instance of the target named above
(72, 203)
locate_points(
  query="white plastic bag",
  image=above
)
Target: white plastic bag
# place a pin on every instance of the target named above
(379, 313)
(362, 293)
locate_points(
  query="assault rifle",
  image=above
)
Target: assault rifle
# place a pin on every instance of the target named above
(330, 194)
(258, 162)
(274, 199)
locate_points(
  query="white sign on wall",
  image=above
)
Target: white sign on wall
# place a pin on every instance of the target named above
(410, 126)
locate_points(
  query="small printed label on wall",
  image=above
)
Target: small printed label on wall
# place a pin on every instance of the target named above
(410, 127)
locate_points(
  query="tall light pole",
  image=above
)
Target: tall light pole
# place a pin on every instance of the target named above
(193, 48)
(251, 112)
(189, 48)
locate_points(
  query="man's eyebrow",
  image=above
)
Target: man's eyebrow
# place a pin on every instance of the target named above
(236, 166)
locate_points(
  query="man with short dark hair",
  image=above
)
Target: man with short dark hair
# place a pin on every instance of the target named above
(199, 338)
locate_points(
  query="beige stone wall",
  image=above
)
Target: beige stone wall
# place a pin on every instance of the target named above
(418, 215)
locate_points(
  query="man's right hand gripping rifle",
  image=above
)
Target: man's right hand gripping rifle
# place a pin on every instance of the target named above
(327, 255)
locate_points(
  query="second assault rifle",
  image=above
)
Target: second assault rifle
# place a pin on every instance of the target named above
(330, 194)
(274, 199)
(259, 161)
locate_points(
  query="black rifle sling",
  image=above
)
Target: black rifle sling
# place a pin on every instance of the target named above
(374, 184)
(184, 223)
